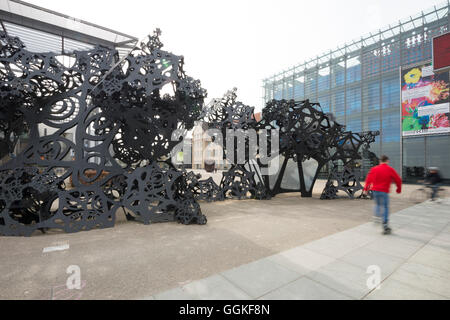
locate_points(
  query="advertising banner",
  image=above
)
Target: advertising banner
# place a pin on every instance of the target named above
(425, 101)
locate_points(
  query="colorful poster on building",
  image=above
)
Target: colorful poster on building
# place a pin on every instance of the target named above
(425, 101)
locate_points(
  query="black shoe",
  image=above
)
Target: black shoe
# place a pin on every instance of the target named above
(387, 230)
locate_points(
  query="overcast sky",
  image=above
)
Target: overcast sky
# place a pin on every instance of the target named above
(237, 43)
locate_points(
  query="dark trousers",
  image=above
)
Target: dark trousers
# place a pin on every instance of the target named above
(434, 188)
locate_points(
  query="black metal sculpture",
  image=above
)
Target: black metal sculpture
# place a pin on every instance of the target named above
(204, 190)
(99, 134)
(232, 119)
(100, 122)
(346, 164)
(307, 137)
(309, 141)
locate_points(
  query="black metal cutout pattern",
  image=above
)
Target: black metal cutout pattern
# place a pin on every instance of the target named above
(229, 114)
(238, 183)
(352, 150)
(101, 123)
(156, 195)
(306, 133)
(106, 126)
(204, 190)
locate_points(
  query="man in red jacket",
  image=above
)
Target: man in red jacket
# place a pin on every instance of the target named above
(379, 180)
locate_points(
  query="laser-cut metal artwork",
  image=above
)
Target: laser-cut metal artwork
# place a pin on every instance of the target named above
(238, 183)
(228, 113)
(107, 126)
(132, 102)
(205, 190)
(158, 195)
(307, 135)
(104, 123)
(309, 140)
(233, 119)
(346, 164)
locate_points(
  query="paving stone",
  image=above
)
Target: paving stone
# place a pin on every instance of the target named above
(338, 245)
(438, 243)
(433, 256)
(260, 277)
(305, 289)
(395, 290)
(395, 246)
(414, 235)
(364, 257)
(174, 294)
(215, 288)
(344, 278)
(301, 260)
(424, 277)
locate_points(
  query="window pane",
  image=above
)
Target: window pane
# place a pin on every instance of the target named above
(299, 88)
(339, 103)
(354, 124)
(392, 150)
(391, 127)
(324, 79)
(438, 154)
(325, 103)
(353, 70)
(338, 74)
(391, 93)
(373, 96)
(310, 88)
(278, 94)
(413, 159)
(353, 100)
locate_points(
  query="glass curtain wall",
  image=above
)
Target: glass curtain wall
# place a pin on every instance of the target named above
(360, 82)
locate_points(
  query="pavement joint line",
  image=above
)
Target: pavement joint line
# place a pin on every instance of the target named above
(248, 293)
(406, 261)
(373, 251)
(304, 277)
(234, 284)
(325, 285)
(61, 247)
(333, 289)
(270, 291)
(422, 288)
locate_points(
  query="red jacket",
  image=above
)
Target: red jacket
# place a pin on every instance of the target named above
(381, 177)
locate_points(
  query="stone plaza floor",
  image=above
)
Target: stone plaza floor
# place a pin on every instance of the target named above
(414, 262)
(286, 248)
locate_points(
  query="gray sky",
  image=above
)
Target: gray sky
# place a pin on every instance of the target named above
(237, 43)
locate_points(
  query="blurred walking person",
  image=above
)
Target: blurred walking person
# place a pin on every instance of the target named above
(434, 181)
(379, 180)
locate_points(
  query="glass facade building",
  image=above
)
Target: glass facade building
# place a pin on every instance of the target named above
(360, 84)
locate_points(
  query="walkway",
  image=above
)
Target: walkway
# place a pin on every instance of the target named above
(414, 263)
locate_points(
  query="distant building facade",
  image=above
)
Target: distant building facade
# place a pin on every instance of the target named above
(205, 150)
(360, 84)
